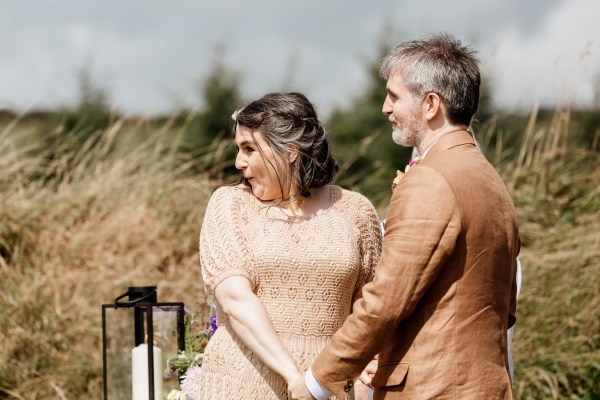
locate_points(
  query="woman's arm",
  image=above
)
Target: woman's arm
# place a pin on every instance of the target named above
(251, 323)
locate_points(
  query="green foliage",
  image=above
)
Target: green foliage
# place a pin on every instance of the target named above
(361, 137)
(92, 111)
(486, 118)
(220, 95)
(210, 127)
(587, 127)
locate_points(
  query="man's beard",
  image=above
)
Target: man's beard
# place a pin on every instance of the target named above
(409, 132)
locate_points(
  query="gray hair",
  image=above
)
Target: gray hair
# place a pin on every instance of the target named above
(288, 122)
(442, 65)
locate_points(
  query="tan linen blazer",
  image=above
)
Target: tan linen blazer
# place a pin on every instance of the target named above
(444, 292)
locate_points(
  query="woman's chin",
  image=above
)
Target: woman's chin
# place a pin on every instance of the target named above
(258, 194)
(263, 197)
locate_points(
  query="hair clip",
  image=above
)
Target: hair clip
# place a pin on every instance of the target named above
(235, 114)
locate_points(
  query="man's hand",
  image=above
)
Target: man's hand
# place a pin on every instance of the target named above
(367, 375)
(361, 391)
(297, 389)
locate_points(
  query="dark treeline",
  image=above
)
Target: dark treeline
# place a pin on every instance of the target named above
(360, 134)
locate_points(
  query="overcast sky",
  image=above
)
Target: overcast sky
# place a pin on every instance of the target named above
(150, 55)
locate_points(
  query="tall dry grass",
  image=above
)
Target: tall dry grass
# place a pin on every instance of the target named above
(80, 222)
(75, 232)
(556, 191)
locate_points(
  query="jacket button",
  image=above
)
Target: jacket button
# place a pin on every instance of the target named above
(349, 385)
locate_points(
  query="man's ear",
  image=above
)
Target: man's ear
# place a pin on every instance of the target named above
(432, 105)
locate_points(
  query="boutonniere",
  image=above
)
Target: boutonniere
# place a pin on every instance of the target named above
(400, 174)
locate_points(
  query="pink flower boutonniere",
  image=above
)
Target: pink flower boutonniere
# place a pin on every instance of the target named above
(400, 174)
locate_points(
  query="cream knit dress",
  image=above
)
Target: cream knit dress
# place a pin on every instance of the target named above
(307, 272)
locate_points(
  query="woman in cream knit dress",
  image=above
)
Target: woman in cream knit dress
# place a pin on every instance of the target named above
(284, 252)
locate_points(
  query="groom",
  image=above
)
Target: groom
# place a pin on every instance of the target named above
(444, 291)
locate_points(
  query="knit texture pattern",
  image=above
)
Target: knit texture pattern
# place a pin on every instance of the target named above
(306, 271)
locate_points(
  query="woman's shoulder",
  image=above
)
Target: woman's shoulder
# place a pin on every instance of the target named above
(357, 210)
(347, 197)
(226, 191)
(227, 195)
(354, 204)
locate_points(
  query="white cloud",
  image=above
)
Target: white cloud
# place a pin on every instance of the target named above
(548, 64)
(146, 52)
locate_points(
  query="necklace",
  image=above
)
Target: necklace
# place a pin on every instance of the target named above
(283, 205)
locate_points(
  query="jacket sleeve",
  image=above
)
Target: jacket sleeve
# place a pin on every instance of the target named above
(422, 228)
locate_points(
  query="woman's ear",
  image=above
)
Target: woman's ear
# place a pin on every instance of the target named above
(294, 151)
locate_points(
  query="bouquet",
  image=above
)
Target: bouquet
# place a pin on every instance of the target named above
(186, 364)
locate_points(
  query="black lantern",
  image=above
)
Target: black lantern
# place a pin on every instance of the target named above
(138, 335)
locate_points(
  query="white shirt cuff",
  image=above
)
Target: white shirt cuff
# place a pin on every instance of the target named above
(318, 392)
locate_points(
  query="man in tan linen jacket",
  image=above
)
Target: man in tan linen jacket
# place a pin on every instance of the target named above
(444, 292)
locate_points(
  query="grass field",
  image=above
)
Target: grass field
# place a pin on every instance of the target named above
(80, 221)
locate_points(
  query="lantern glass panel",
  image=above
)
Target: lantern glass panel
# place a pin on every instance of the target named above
(122, 371)
(119, 343)
(166, 338)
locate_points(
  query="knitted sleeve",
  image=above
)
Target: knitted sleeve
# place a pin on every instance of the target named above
(223, 240)
(370, 244)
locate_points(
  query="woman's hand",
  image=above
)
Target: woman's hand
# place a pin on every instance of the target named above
(297, 389)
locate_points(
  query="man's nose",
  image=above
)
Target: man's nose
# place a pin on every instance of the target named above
(387, 106)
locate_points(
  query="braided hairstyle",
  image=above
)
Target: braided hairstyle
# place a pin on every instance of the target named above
(288, 122)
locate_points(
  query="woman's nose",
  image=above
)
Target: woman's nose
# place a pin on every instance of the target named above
(240, 163)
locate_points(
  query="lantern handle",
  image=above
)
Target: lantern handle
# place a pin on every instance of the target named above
(127, 303)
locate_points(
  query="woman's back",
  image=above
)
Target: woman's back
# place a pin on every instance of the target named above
(306, 271)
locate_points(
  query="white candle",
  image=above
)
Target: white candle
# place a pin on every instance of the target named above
(139, 372)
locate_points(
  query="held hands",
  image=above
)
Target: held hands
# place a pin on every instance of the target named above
(361, 391)
(297, 389)
(366, 376)
(361, 388)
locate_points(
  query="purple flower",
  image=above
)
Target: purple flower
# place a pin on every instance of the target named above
(213, 322)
